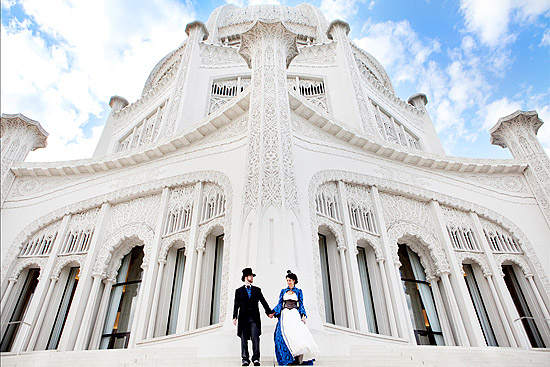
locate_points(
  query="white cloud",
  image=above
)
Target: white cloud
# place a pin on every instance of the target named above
(340, 9)
(263, 2)
(61, 65)
(490, 19)
(493, 111)
(545, 41)
(239, 3)
(397, 47)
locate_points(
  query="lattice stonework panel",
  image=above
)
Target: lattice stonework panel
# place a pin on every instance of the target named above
(144, 132)
(360, 207)
(326, 201)
(79, 233)
(180, 209)
(223, 91)
(500, 240)
(213, 202)
(311, 89)
(461, 229)
(41, 242)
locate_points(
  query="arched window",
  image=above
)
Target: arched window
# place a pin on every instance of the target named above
(211, 279)
(64, 306)
(122, 303)
(528, 319)
(480, 307)
(367, 267)
(420, 301)
(332, 277)
(177, 283)
(20, 309)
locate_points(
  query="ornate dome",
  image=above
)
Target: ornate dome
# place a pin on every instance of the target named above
(228, 22)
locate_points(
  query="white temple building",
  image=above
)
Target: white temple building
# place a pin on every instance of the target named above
(269, 139)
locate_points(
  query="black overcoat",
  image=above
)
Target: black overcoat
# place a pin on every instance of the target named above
(245, 307)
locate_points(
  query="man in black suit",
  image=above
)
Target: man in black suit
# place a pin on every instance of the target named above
(247, 313)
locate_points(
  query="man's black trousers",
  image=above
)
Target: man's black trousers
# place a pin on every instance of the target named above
(250, 329)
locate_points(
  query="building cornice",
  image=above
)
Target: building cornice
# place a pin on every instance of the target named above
(396, 152)
(298, 105)
(210, 124)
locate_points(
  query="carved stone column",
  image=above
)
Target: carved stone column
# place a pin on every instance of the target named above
(518, 132)
(270, 193)
(37, 301)
(80, 305)
(116, 103)
(20, 135)
(338, 31)
(148, 284)
(176, 111)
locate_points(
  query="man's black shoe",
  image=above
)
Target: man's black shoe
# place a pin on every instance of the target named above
(256, 363)
(245, 363)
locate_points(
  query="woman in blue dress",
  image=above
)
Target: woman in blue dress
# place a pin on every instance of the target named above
(294, 343)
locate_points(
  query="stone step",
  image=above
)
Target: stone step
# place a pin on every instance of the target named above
(404, 356)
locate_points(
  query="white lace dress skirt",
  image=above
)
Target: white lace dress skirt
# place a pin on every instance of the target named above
(296, 334)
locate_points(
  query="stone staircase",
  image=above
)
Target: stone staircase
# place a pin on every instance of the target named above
(402, 356)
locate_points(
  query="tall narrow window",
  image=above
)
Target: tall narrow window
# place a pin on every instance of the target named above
(176, 292)
(122, 304)
(420, 300)
(325, 273)
(64, 306)
(523, 308)
(216, 282)
(367, 289)
(479, 306)
(20, 309)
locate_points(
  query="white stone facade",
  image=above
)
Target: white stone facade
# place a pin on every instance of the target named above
(268, 139)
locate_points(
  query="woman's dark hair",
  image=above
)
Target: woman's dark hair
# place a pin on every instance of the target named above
(291, 275)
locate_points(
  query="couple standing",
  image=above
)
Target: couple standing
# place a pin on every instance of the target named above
(293, 341)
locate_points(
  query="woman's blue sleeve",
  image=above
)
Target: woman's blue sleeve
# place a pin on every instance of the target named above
(279, 306)
(301, 307)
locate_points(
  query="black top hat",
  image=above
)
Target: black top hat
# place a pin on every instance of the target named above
(247, 272)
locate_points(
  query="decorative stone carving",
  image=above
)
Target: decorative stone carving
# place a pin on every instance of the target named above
(504, 182)
(64, 261)
(216, 55)
(268, 49)
(418, 191)
(31, 186)
(518, 132)
(320, 55)
(327, 202)
(514, 258)
(313, 90)
(79, 232)
(235, 128)
(25, 263)
(170, 240)
(19, 136)
(372, 241)
(114, 249)
(478, 258)
(500, 240)
(224, 90)
(41, 242)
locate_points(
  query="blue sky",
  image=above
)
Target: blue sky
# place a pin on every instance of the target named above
(476, 60)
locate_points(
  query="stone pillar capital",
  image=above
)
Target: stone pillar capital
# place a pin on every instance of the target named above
(117, 103)
(519, 120)
(418, 100)
(260, 33)
(337, 28)
(199, 27)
